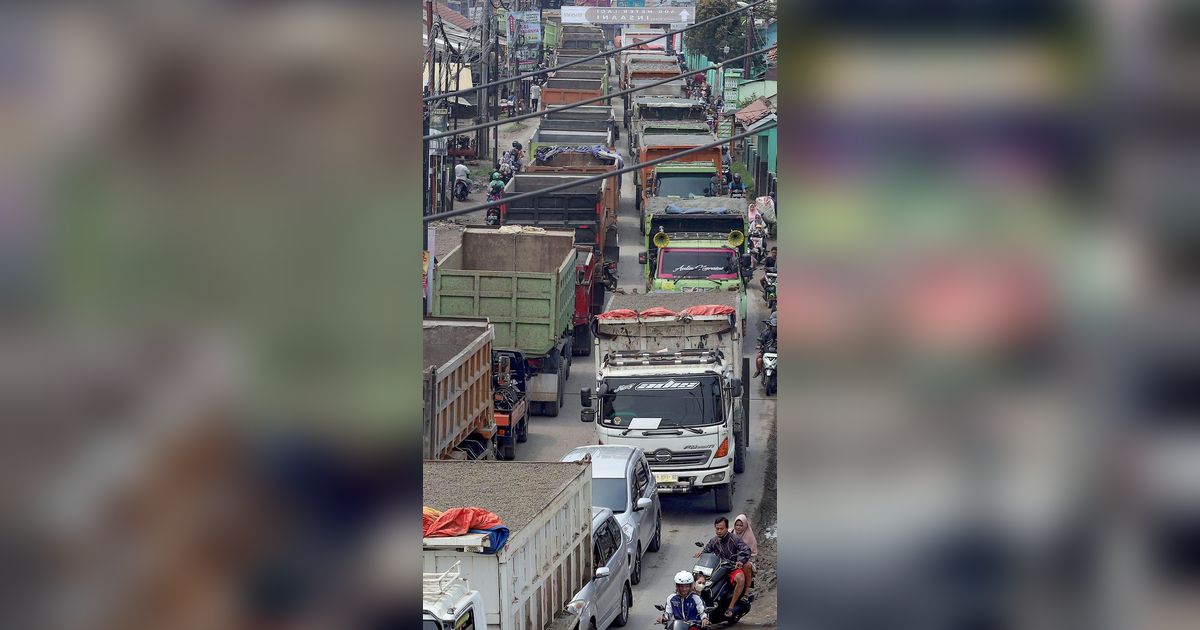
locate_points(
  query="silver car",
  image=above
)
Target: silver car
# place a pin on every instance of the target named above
(606, 599)
(622, 482)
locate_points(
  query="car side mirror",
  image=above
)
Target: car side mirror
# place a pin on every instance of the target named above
(643, 503)
(587, 415)
(603, 572)
(642, 258)
(585, 397)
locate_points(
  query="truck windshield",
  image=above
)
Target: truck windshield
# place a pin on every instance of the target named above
(686, 401)
(682, 184)
(429, 624)
(610, 493)
(684, 263)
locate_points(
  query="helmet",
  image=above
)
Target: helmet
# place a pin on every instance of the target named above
(496, 175)
(737, 178)
(516, 144)
(773, 320)
(684, 577)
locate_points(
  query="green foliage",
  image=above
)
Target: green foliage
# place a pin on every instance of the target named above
(711, 39)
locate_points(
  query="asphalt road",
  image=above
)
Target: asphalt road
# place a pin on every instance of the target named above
(686, 518)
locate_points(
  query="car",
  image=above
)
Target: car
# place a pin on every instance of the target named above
(622, 482)
(607, 598)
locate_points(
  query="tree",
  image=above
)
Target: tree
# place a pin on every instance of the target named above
(711, 39)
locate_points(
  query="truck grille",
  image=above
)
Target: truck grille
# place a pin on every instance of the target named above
(677, 459)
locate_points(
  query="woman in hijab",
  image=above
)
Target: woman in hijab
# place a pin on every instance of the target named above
(741, 529)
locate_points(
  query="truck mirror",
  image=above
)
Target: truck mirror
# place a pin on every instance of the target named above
(643, 503)
(746, 261)
(587, 415)
(585, 397)
(735, 384)
(642, 258)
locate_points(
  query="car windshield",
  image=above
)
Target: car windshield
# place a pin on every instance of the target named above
(682, 184)
(681, 264)
(684, 401)
(610, 493)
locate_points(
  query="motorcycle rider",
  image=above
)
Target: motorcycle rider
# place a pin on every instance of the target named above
(765, 338)
(462, 174)
(737, 186)
(714, 185)
(768, 262)
(729, 548)
(496, 186)
(686, 604)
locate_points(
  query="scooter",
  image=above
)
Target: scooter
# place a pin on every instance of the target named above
(712, 582)
(770, 361)
(462, 189)
(758, 244)
(679, 624)
(493, 212)
(771, 287)
(609, 275)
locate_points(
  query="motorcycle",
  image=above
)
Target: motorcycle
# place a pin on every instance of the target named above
(770, 362)
(493, 212)
(771, 287)
(609, 275)
(462, 189)
(758, 243)
(712, 582)
(679, 624)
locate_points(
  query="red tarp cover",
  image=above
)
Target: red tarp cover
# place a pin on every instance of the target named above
(621, 313)
(457, 521)
(709, 309)
(658, 311)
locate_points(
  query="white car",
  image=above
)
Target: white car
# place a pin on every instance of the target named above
(623, 483)
(606, 599)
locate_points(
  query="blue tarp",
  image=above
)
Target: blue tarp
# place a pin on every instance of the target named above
(497, 537)
(674, 209)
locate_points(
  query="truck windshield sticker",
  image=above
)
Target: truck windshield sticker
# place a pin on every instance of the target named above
(659, 385)
(681, 264)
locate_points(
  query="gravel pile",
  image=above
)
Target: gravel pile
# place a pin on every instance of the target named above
(514, 491)
(448, 236)
(676, 301)
(443, 342)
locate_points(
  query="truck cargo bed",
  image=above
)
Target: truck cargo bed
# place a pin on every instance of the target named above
(673, 300)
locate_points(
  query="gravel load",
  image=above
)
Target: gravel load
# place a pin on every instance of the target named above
(674, 300)
(514, 491)
(443, 342)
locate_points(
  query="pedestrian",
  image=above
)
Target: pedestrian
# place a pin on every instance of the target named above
(535, 93)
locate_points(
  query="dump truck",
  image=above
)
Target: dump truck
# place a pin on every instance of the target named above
(667, 127)
(524, 283)
(697, 244)
(553, 137)
(644, 107)
(548, 557)
(558, 91)
(474, 397)
(673, 387)
(585, 118)
(656, 146)
(591, 211)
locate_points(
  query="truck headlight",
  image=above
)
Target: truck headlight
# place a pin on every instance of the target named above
(713, 477)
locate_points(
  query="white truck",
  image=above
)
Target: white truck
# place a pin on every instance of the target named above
(673, 387)
(527, 584)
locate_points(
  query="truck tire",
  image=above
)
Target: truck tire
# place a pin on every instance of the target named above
(523, 430)
(723, 498)
(551, 408)
(508, 451)
(583, 341)
(739, 456)
(772, 384)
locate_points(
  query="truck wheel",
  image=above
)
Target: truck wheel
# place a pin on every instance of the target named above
(523, 430)
(508, 451)
(723, 498)
(583, 341)
(551, 408)
(739, 456)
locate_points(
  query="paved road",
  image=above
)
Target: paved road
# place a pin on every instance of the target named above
(686, 519)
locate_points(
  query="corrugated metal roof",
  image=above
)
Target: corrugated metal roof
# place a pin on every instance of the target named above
(758, 109)
(454, 17)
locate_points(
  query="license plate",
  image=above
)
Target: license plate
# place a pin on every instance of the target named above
(666, 478)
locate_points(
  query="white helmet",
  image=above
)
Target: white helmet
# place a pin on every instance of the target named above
(684, 577)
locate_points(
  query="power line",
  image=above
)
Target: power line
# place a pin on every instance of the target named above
(593, 178)
(603, 97)
(722, 16)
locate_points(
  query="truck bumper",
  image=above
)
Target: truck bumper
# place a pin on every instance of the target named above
(695, 480)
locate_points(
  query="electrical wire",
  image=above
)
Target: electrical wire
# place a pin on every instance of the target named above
(592, 178)
(597, 55)
(596, 99)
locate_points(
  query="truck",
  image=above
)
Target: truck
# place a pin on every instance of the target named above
(587, 118)
(667, 127)
(474, 397)
(563, 91)
(662, 107)
(591, 211)
(543, 137)
(547, 559)
(524, 282)
(673, 387)
(656, 60)
(652, 147)
(697, 244)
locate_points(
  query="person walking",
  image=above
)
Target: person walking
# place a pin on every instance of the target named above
(535, 93)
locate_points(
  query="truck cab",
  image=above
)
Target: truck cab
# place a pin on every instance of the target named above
(682, 180)
(449, 603)
(680, 405)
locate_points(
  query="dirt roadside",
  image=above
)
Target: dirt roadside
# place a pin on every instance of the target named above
(765, 610)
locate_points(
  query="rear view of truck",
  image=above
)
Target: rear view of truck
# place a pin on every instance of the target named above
(523, 281)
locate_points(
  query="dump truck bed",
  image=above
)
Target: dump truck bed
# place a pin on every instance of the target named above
(457, 383)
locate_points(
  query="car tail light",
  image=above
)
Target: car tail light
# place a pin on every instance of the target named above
(724, 449)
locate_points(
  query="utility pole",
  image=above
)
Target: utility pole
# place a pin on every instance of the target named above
(746, 63)
(483, 99)
(426, 207)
